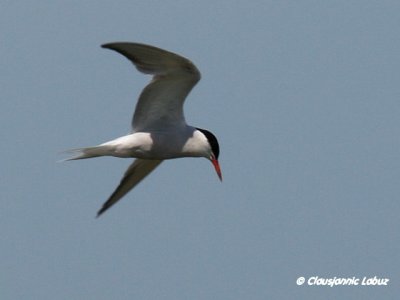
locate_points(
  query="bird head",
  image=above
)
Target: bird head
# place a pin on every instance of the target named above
(214, 146)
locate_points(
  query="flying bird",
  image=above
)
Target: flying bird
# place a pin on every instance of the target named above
(159, 128)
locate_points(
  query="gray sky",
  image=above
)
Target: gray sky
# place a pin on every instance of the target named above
(304, 99)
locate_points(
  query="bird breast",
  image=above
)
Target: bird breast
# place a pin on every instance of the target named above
(160, 144)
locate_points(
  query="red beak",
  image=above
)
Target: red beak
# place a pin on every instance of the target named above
(217, 168)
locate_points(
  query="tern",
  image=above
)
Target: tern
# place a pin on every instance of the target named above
(159, 130)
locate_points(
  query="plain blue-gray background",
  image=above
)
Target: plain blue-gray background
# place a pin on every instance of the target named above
(304, 97)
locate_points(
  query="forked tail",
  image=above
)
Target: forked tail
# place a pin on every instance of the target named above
(89, 152)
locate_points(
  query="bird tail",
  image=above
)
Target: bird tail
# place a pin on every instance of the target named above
(88, 152)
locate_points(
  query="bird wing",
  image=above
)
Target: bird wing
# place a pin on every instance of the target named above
(138, 170)
(160, 104)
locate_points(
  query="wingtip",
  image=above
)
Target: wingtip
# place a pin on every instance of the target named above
(114, 45)
(101, 211)
(106, 46)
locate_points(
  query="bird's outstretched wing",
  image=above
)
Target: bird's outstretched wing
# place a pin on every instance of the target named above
(160, 104)
(138, 170)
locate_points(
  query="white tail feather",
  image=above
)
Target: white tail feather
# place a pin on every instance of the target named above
(89, 152)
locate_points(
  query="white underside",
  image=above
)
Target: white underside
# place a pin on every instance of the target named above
(184, 142)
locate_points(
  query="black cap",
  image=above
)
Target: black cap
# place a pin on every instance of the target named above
(212, 140)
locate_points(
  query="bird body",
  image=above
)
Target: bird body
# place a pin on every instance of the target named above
(185, 142)
(159, 128)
